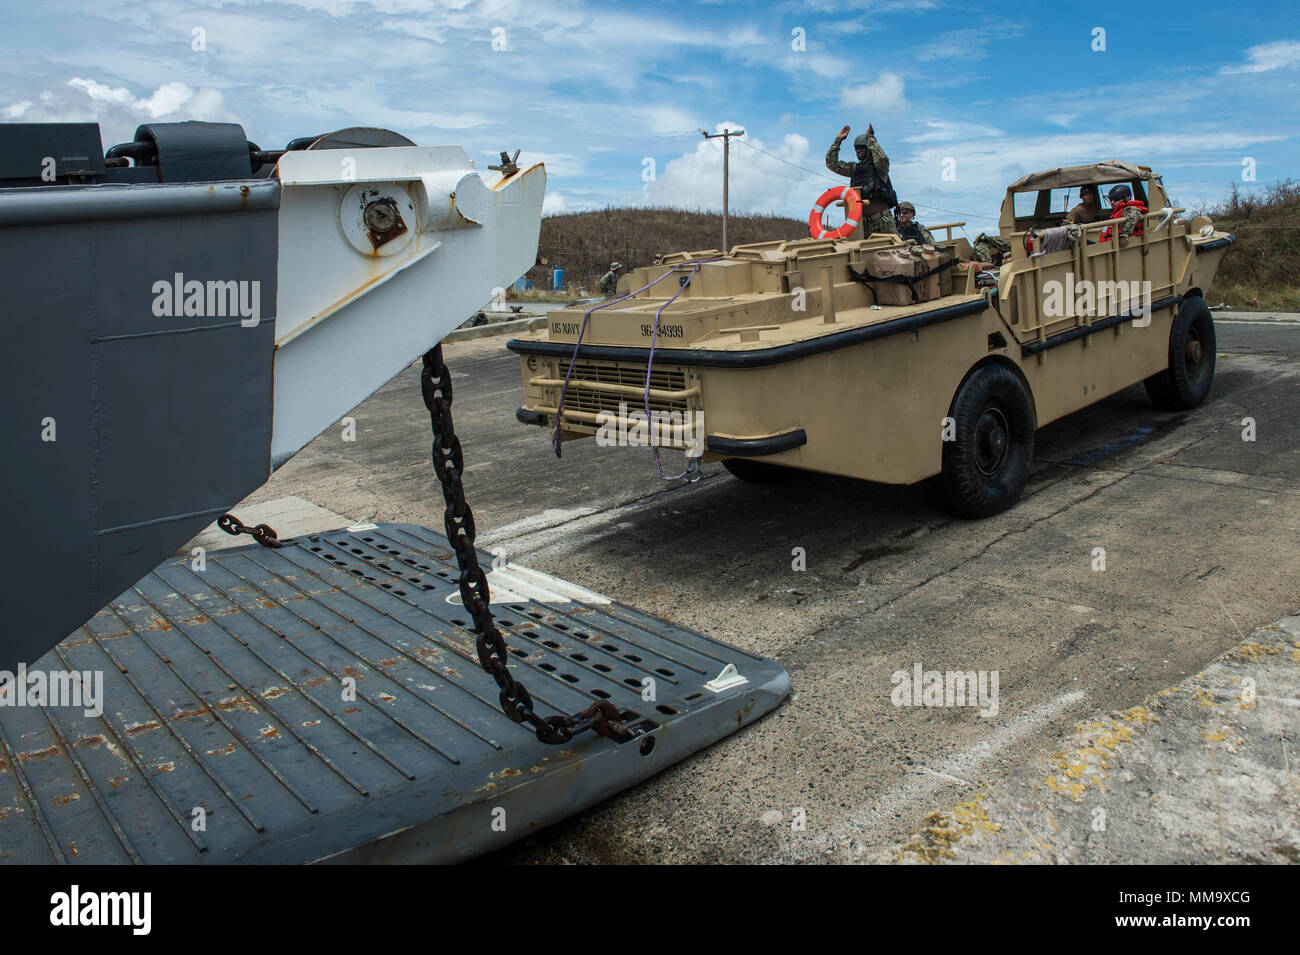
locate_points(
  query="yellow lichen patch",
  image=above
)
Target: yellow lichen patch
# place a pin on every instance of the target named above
(1204, 698)
(940, 831)
(1251, 650)
(1096, 745)
(1217, 737)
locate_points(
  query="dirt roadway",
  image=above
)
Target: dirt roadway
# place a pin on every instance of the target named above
(1200, 535)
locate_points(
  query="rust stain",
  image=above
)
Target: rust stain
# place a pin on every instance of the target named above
(72, 847)
(275, 691)
(426, 652)
(117, 781)
(95, 740)
(223, 750)
(135, 728)
(353, 709)
(37, 754)
(354, 673)
(189, 714)
(201, 618)
(166, 767)
(315, 681)
(235, 703)
(64, 800)
(270, 604)
(390, 662)
(387, 697)
(311, 723)
(508, 771)
(269, 732)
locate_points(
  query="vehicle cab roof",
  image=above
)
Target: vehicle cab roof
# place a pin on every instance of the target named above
(1146, 185)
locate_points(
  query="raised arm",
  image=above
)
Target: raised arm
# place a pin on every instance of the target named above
(833, 161)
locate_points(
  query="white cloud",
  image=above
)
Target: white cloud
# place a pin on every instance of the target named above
(553, 204)
(1268, 56)
(884, 96)
(942, 131)
(117, 110)
(759, 182)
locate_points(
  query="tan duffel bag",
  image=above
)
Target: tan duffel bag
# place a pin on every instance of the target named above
(905, 275)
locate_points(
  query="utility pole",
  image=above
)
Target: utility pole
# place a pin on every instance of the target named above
(726, 135)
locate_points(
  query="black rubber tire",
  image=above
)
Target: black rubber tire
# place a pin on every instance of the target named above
(987, 464)
(1186, 382)
(759, 472)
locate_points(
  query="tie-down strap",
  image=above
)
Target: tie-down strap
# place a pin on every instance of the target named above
(910, 281)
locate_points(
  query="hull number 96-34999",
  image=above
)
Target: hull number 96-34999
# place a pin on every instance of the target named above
(665, 331)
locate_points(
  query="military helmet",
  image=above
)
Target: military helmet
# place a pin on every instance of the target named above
(860, 142)
(906, 207)
(615, 266)
(1119, 194)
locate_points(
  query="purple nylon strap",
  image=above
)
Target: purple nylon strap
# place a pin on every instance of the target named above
(573, 360)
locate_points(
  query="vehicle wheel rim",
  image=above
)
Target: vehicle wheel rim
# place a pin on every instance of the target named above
(1193, 353)
(992, 442)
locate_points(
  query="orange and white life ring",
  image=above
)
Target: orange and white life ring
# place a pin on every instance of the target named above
(852, 212)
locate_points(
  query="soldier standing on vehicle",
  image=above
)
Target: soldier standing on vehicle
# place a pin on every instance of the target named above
(1089, 208)
(909, 228)
(1129, 210)
(869, 176)
(609, 281)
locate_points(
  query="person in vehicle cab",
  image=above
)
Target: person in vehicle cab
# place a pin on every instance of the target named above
(1089, 208)
(909, 228)
(1127, 209)
(869, 176)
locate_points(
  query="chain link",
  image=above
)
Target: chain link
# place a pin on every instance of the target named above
(458, 520)
(264, 534)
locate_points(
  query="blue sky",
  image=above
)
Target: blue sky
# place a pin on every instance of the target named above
(608, 93)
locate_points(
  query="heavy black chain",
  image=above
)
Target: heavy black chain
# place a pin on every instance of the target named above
(264, 534)
(602, 716)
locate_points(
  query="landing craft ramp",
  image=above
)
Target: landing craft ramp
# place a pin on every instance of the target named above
(224, 701)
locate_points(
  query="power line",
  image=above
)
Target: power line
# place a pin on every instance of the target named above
(821, 175)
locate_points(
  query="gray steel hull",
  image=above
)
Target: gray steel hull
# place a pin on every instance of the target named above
(159, 423)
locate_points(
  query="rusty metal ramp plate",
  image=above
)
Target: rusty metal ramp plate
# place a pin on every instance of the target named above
(323, 702)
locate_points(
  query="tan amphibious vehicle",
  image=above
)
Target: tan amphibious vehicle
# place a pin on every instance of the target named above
(874, 358)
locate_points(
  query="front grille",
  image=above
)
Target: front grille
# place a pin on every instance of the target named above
(614, 373)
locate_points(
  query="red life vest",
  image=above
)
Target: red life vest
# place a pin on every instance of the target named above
(1117, 211)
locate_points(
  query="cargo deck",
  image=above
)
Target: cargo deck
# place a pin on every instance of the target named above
(229, 734)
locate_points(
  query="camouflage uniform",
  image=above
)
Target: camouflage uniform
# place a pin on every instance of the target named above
(884, 222)
(1082, 215)
(916, 232)
(608, 283)
(984, 247)
(1129, 220)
